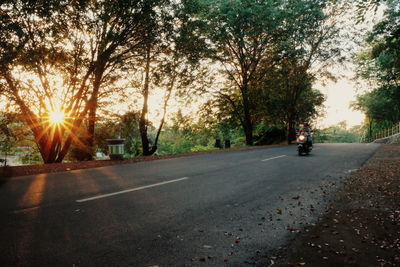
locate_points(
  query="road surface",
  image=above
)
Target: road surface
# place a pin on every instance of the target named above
(230, 208)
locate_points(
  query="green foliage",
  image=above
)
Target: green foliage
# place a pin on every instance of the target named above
(182, 136)
(201, 148)
(7, 136)
(129, 129)
(31, 157)
(16, 139)
(187, 135)
(268, 52)
(269, 134)
(379, 63)
(338, 134)
(124, 126)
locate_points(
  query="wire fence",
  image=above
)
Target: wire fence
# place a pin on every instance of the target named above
(395, 129)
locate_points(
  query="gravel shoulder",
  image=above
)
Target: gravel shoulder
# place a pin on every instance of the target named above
(361, 225)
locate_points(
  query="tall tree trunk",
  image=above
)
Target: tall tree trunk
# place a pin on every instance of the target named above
(166, 99)
(247, 123)
(293, 115)
(85, 146)
(291, 122)
(143, 115)
(87, 143)
(90, 130)
(248, 131)
(72, 135)
(370, 122)
(291, 131)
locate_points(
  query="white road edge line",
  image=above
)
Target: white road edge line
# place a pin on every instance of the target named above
(131, 190)
(274, 158)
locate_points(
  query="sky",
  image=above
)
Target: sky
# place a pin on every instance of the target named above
(339, 96)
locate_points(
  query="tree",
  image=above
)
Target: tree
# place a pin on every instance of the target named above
(241, 35)
(311, 47)
(338, 133)
(125, 125)
(379, 64)
(14, 137)
(7, 137)
(170, 63)
(363, 6)
(258, 42)
(55, 57)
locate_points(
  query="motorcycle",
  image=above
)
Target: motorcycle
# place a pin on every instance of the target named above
(304, 145)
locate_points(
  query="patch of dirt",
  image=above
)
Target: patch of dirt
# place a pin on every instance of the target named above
(11, 171)
(361, 227)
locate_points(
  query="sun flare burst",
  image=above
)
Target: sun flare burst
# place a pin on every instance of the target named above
(56, 117)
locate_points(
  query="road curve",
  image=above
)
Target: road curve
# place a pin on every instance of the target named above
(227, 208)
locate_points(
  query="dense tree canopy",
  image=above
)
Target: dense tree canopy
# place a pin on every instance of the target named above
(379, 64)
(253, 63)
(270, 53)
(57, 56)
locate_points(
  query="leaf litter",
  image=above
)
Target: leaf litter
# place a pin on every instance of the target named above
(361, 225)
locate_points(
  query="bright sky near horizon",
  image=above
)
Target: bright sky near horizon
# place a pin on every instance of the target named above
(339, 96)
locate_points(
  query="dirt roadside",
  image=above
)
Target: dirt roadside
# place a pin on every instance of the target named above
(361, 226)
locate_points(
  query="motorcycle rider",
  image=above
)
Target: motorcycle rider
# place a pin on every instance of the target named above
(306, 131)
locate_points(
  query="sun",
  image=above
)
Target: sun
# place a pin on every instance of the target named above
(56, 117)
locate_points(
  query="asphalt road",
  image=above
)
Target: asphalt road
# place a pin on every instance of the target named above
(231, 208)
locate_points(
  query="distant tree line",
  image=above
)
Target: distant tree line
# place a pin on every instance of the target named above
(339, 133)
(255, 60)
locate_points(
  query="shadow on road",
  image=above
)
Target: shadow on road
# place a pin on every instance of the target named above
(47, 228)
